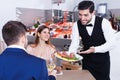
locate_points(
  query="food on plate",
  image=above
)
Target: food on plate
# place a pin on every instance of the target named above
(63, 55)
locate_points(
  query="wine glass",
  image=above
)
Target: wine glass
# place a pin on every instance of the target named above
(50, 64)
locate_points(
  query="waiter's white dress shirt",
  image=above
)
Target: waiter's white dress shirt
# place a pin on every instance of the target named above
(107, 31)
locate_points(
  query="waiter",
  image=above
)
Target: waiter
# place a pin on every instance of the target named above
(97, 35)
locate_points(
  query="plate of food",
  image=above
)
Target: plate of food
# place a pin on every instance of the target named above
(70, 58)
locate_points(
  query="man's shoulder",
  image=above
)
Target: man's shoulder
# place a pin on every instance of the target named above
(32, 57)
(20, 54)
(99, 17)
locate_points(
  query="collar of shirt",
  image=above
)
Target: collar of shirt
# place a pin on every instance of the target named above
(90, 29)
(92, 20)
(16, 46)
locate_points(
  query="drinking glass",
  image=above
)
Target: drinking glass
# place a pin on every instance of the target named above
(51, 64)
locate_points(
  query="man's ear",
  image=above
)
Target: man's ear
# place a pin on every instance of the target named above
(93, 12)
(23, 39)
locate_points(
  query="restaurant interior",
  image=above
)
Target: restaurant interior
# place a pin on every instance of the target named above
(59, 16)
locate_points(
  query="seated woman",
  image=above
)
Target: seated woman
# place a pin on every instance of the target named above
(42, 47)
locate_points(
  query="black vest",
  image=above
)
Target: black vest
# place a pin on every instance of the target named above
(97, 37)
(99, 63)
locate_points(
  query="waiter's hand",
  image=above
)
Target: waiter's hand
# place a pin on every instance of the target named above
(90, 50)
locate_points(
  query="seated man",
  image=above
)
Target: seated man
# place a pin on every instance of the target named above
(15, 62)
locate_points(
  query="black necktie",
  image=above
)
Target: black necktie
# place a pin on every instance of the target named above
(89, 25)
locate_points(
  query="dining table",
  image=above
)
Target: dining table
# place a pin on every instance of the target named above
(75, 75)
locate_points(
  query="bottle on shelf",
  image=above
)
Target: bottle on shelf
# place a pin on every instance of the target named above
(37, 23)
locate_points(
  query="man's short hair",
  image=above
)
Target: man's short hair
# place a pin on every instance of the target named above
(12, 30)
(86, 5)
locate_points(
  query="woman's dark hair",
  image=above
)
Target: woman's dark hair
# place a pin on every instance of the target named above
(12, 31)
(86, 5)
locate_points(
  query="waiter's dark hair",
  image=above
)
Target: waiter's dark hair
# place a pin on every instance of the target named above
(86, 5)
